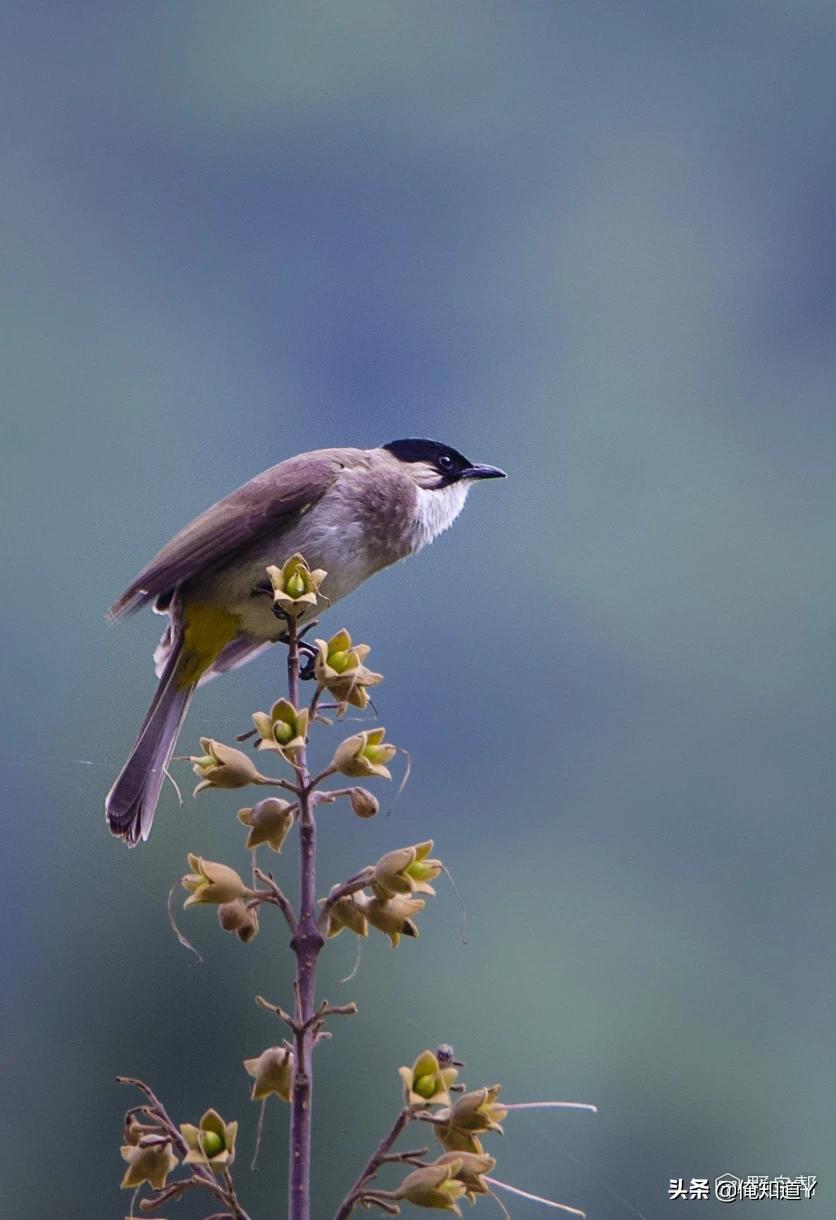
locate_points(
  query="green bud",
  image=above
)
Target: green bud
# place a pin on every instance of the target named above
(296, 585)
(339, 661)
(422, 872)
(212, 1143)
(283, 732)
(424, 1086)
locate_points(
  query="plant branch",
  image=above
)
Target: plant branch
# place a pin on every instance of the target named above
(307, 943)
(279, 899)
(379, 1157)
(201, 1175)
(317, 779)
(277, 1010)
(413, 1157)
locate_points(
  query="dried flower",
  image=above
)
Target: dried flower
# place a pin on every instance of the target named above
(474, 1166)
(406, 870)
(339, 668)
(237, 917)
(347, 912)
(270, 822)
(211, 882)
(248, 931)
(364, 754)
(433, 1186)
(212, 1143)
(151, 1160)
(295, 586)
(222, 766)
(285, 729)
(459, 1142)
(472, 1115)
(393, 915)
(272, 1071)
(426, 1082)
(364, 803)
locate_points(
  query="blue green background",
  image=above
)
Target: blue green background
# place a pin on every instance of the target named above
(592, 243)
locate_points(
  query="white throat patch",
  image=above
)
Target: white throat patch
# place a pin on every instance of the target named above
(436, 510)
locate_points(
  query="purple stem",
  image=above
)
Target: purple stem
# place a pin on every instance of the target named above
(306, 944)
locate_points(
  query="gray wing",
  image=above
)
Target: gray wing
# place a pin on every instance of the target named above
(268, 502)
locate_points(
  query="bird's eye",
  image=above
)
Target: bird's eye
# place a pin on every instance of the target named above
(445, 461)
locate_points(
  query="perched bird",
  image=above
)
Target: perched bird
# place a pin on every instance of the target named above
(349, 511)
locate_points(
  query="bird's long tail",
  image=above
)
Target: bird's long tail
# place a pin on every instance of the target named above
(132, 801)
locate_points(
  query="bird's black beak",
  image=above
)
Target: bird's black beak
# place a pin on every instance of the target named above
(479, 471)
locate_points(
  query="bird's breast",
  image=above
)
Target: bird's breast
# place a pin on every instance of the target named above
(338, 534)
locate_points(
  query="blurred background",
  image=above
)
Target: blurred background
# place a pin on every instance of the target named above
(592, 243)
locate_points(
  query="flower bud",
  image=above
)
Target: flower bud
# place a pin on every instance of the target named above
(233, 915)
(407, 870)
(295, 586)
(222, 766)
(393, 915)
(433, 1186)
(426, 1082)
(150, 1161)
(212, 882)
(270, 822)
(363, 802)
(364, 754)
(285, 729)
(272, 1072)
(249, 930)
(212, 1143)
(237, 917)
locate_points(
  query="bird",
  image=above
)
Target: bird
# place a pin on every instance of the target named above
(349, 511)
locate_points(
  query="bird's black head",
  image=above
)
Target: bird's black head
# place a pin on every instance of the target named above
(447, 463)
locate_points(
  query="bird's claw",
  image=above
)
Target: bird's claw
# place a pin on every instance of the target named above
(306, 671)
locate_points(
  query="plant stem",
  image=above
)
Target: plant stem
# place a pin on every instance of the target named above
(306, 944)
(374, 1163)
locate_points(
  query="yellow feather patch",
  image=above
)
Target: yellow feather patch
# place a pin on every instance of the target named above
(207, 630)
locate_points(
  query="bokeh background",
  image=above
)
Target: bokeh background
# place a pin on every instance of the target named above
(590, 242)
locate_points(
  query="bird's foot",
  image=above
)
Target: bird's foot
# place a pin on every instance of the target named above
(306, 671)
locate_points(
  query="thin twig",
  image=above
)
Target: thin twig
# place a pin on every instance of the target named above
(277, 1011)
(377, 1198)
(369, 1171)
(328, 1010)
(279, 898)
(317, 779)
(317, 695)
(412, 1157)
